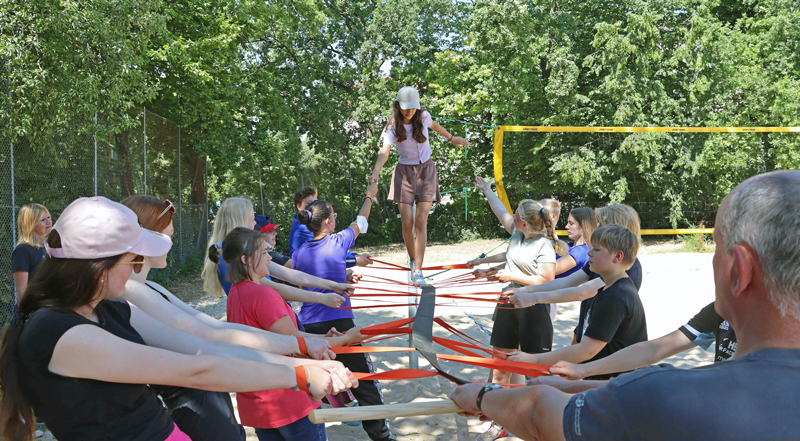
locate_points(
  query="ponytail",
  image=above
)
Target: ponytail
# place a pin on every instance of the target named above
(560, 246)
(214, 252)
(314, 215)
(16, 414)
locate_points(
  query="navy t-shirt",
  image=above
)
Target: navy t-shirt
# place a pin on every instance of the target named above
(750, 398)
(709, 327)
(27, 258)
(634, 272)
(615, 316)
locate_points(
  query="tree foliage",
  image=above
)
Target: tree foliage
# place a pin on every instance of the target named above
(297, 92)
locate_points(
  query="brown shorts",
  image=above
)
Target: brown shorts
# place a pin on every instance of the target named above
(415, 183)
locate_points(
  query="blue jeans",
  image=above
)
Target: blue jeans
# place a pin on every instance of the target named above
(300, 430)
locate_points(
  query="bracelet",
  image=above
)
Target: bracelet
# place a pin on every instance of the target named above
(302, 379)
(451, 138)
(301, 343)
(483, 391)
(370, 198)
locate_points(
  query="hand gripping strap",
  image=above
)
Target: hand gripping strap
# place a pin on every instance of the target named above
(302, 380)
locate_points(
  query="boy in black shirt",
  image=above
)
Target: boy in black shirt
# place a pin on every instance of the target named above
(612, 320)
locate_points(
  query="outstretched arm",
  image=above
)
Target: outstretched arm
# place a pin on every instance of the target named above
(633, 357)
(293, 294)
(372, 190)
(577, 294)
(499, 209)
(383, 156)
(578, 353)
(303, 279)
(534, 412)
(456, 140)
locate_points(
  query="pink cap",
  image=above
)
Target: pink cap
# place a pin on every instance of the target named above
(95, 228)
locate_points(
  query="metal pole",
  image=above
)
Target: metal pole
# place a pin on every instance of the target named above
(413, 359)
(260, 186)
(144, 150)
(95, 152)
(13, 196)
(180, 208)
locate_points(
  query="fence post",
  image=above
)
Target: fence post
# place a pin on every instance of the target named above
(205, 185)
(180, 196)
(13, 196)
(144, 150)
(260, 186)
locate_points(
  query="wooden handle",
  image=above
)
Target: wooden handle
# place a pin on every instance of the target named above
(320, 416)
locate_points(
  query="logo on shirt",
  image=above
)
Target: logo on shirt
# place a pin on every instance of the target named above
(724, 325)
(579, 401)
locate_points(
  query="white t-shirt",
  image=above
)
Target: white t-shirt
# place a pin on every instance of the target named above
(411, 152)
(524, 256)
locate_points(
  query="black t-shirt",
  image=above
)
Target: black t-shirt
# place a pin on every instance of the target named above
(708, 326)
(634, 272)
(27, 258)
(82, 409)
(615, 316)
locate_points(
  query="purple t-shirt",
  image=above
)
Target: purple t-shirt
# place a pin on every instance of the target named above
(325, 258)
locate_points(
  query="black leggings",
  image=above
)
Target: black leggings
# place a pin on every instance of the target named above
(368, 393)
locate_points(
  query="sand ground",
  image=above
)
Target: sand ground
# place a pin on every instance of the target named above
(675, 286)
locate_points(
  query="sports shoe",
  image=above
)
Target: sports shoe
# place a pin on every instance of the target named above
(38, 433)
(492, 433)
(419, 279)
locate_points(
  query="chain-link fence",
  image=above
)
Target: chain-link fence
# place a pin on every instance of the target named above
(56, 167)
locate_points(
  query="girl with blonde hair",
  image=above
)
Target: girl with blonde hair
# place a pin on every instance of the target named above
(238, 212)
(33, 225)
(530, 260)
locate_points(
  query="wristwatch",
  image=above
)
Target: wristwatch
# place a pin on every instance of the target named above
(483, 391)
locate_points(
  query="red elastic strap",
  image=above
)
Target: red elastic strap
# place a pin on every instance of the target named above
(301, 343)
(302, 380)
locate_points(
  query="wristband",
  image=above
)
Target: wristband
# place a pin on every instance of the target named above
(370, 199)
(301, 343)
(451, 138)
(483, 391)
(302, 379)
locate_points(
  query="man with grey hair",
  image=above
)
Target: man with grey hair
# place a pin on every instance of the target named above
(755, 395)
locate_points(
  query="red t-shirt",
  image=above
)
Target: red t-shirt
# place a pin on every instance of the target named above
(260, 307)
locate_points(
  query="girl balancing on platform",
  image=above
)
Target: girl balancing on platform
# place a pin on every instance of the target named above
(415, 178)
(71, 338)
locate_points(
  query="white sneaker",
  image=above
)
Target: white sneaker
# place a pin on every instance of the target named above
(411, 266)
(492, 433)
(419, 279)
(38, 433)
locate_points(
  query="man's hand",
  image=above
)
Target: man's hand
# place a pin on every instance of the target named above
(319, 349)
(363, 260)
(466, 397)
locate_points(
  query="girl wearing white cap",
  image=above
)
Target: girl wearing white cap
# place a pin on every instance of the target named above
(415, 178)
(82, 360)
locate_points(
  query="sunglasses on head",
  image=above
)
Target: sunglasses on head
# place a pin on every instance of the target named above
(170, 208)
(137, 263)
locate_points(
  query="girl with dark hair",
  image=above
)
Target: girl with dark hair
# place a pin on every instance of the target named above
(70, 339)
(276, 414)
(324, 256)
(415, 178)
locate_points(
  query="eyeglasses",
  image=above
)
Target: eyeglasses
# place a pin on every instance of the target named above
(335, 214)
(170, 208)
(137, 263)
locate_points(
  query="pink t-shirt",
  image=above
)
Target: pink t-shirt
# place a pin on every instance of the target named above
(411, 152)
(260, 307)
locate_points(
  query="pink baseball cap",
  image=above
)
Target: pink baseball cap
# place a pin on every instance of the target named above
(96, 227)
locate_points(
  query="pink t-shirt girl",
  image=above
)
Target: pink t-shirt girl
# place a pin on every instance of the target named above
(411, 152)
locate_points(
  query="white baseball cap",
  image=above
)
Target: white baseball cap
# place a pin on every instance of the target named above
(96, 227)
(408, 97)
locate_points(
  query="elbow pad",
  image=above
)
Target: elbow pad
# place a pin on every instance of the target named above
(362, 223)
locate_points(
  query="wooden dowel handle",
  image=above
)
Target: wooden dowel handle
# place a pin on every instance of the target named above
(320, 416)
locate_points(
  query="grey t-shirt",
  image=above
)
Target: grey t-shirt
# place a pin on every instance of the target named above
(524, 256)
(753, 397)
